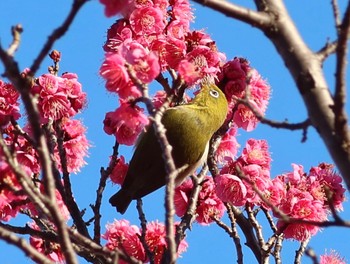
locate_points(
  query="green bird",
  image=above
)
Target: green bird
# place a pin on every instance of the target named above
(189, 128)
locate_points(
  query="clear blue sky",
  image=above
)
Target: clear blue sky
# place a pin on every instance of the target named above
(83, 54)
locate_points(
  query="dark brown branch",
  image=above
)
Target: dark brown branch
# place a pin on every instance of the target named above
(254, 18)
(336, 15)
(235, 236)
(276, 124)
(300, 252)
(68, 193)
(143, 222)
(22, 244)
(311, 254)
(99, 192)
(341, 120)
(190, 215)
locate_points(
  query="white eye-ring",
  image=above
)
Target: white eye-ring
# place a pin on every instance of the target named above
(214, 93)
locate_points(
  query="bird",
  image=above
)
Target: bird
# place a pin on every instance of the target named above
(189, 128)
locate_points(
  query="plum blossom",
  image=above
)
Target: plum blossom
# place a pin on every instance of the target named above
(114, 72)
(254, 165)
(304, 197)
(208, 205)
(9, 105)
(230, 188)
(126, 123)
(58, 97)
(201, 62)
(10, 201)
(75, 144)
(121, 235)
(144, 63)
(332, 257)
(237, 77)
(256, 152)
(227, 150)
(119, 171)
(156, 241)
(147, 20)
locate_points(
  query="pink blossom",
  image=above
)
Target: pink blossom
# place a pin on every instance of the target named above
(182, 11)
(244, 118)
(256, 152)
(201, 62)
(156, 241)
(119, 171)
(10, 201)
(147, 20)
(237, 77)
(182, 196)
(227, 149)
(332, 257)
(25, 153)
(329, 181)
(275, 192)
(258, 176)
(208, 205)
(73, 89)
(117, 34)
(114, 72)
(126, 123)
(144, 63)
(296, 176)
(50, 249)
(75, 144)
(230, 188)
(9, 105)
(169, 50)
(178, 29)
(301, 205)
(58, 97)
(123, 236)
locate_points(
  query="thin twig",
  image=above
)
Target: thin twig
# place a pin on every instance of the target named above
(69, 197)
(22, 244)
(311, 254)
(99, 192)
(190, 215)
(16, 39)
(300, 252)
(143, 222)
(57, 34)
(336, 15)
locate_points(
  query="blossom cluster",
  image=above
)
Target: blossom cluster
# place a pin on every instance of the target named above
(240, 81)
(308, 197)
(246, 181)
(152, 37)
(126, 237)
(58, 100)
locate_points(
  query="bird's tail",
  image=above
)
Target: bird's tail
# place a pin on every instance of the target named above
(121, 200)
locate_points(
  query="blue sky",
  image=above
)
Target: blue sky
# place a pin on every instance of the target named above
(82, 53)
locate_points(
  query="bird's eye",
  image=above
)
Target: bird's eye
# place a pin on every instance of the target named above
(214, 93)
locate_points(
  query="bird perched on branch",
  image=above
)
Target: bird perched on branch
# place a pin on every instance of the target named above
(189, 128)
